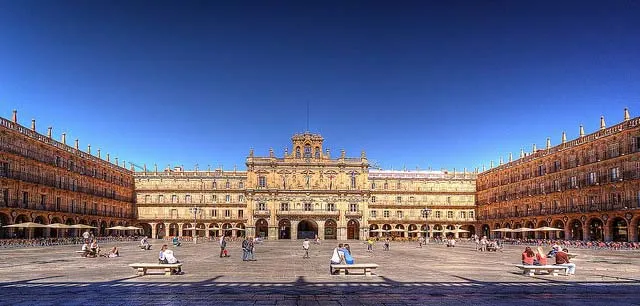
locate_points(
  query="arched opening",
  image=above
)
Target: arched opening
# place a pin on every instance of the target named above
(374, 230)
(517, 235)
(284, 229)
(186, 231)
(39, 232)
(413, 231)
(262, 228)
(437, 231)
(486, 230)
(576, 230)
(619, 230)
(146, 230)
(542, 234)
(353, 229)
(387, 229)
(507, 234)
(596, 230)
(201, 230)
(330, 230)
(398, 231)
(54, 232)
(103, 229)
(21, 232)
(226, 230)
(161, 230)
(4, 231)
(308, 229)
(557, 234)
(240, 230)
(71, 232)
(471, 230)
(214, 230)
(530, 234)
(174, 230)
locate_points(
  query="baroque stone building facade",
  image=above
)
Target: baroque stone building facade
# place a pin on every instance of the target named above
(589, 187)
(46, 181)
(302, 194)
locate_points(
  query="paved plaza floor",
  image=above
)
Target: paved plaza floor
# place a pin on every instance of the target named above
(408, 275)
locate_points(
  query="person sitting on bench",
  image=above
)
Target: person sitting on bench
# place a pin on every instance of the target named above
(562, 259)
(85, 249)
(144, 243)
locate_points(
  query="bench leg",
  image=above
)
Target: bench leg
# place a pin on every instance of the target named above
(167, 271)
(367, 271)
(342, 271)
(531, 272)
(141, 271)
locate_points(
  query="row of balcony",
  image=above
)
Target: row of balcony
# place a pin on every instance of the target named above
(58, 162)
(535, 174)
(51, 207)
(302, 212)
(52, 182)
(584, 183)
(574, 208)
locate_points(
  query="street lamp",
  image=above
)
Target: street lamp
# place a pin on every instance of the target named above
(425, 214)
(195, 211)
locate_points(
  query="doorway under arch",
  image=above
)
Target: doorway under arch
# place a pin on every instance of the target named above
(307, 229)
(619, 230)
(330, 230)
(576, 230)
(596, 230)
(284, 229)
(4, 231)
(262, 228)
(353, 229)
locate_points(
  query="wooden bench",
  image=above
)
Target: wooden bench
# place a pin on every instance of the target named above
(550, 269)
(143, 267)
(342, 269)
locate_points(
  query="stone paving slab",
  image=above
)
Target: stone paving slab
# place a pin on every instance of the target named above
(433, 275)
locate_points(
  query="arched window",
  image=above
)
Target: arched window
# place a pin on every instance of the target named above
(297, 152)
(214, 185)
(317, 153)
(227, 185)
(307, 151)
(240, 185)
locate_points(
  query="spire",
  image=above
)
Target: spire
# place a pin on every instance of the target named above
(155, 166)
(99, 154)
(510, 157)
(144, 167)
(108, 157)
(534, 149)
(132, 169)
(521, 152)
(602, 125)
(491, 165)
(77, 144)
(626, 114)
(15, 116)
(564, 137)
(500, 160)
(581, 131)
(116, 161)
(548, 143)
(483, 168)
(33, 125)
(89, 148)
(49, 130)
(64, 138)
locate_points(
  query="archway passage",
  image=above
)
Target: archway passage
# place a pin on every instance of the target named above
(373, 230)
(576, 230)
(353, 229)
(619, 230)
(39, 232)
(307, 229)
(173, 230)
(21, 232)
(262, 228)
(284, 229)
(330, 230)
(558, 234)
(147, 230)
(596, 230)
(486, 229)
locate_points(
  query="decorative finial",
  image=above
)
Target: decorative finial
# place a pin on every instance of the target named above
(521, 152)
(64, 138)
(33, 125)
(626, 114)
(251, 152)
(491, 165)
(108, 157)
(271, 152)
(548, 143)
(77, 145)
(602, 125)
(15, 116)
(581, 131)
(564, 137)
(99, 153)
(534, 149)
(117, 161)
(483, 168)
(363, 154)
(155, 166)
(89, 148)
(500, 163)
(144, 167)
(49, 130)
(343, 153)
(510, 157)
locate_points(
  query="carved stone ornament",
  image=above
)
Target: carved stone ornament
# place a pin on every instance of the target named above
(628, 216)
(605, 217)
(565, 219)
(583, 218)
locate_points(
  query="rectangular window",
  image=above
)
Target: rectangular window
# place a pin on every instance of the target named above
(331, 207)
(174, 214)
(556, 185)
(43, 201)
(308, 207)
(398, 199)
(373, 199)
(227, 198)
(262, 206)
(385, 213)
(147, 199)
(25, 199)
(214, 213)
(463, 214)
(58, 203)
(573, 181)
(556, 166)
(471, 214)
(373, 213)
(4, 169)
(614, 173)
(284, 206)
(592, 178)
(373, 185)
(240, 198)
(353, 207)
(438, 214)
(187, 199)
(227, 213)
(449, 214)
(240, 185)
(240, 214)
(160, 199)
(262, 182)
(174, 199)
(214, 198)
(399, 214)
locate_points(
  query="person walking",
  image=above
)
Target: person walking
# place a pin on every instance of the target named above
(305, 247)
(245, 249)
(251, 247)
(223, 247)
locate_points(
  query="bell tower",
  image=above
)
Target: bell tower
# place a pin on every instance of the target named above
(307, 146)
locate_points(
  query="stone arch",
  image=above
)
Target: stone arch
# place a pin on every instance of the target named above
(373, 230)
(4, 220)
(284, 229)
(174, 230)
(39, 232)
(214, 230)
(595, 228)
(21, 233)
(307, 229)
(353, 229)
(485, 230)
(575, 230)
(240, 230)
(558, 234)
(413, 231)
(437, 230)
(54, 232)
(330, 229)
(470, 228)
(147, 230)
(619, 229)
(189, 233)
(103, 229)
(399, 230)
(262, 228)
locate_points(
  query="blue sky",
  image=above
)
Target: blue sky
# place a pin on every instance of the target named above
(448, 84)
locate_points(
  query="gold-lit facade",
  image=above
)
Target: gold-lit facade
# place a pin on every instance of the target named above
(46, 181)
(304, 193)
(589, 187)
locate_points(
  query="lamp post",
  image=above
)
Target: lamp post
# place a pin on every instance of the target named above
(195, 211)
(425, 214)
